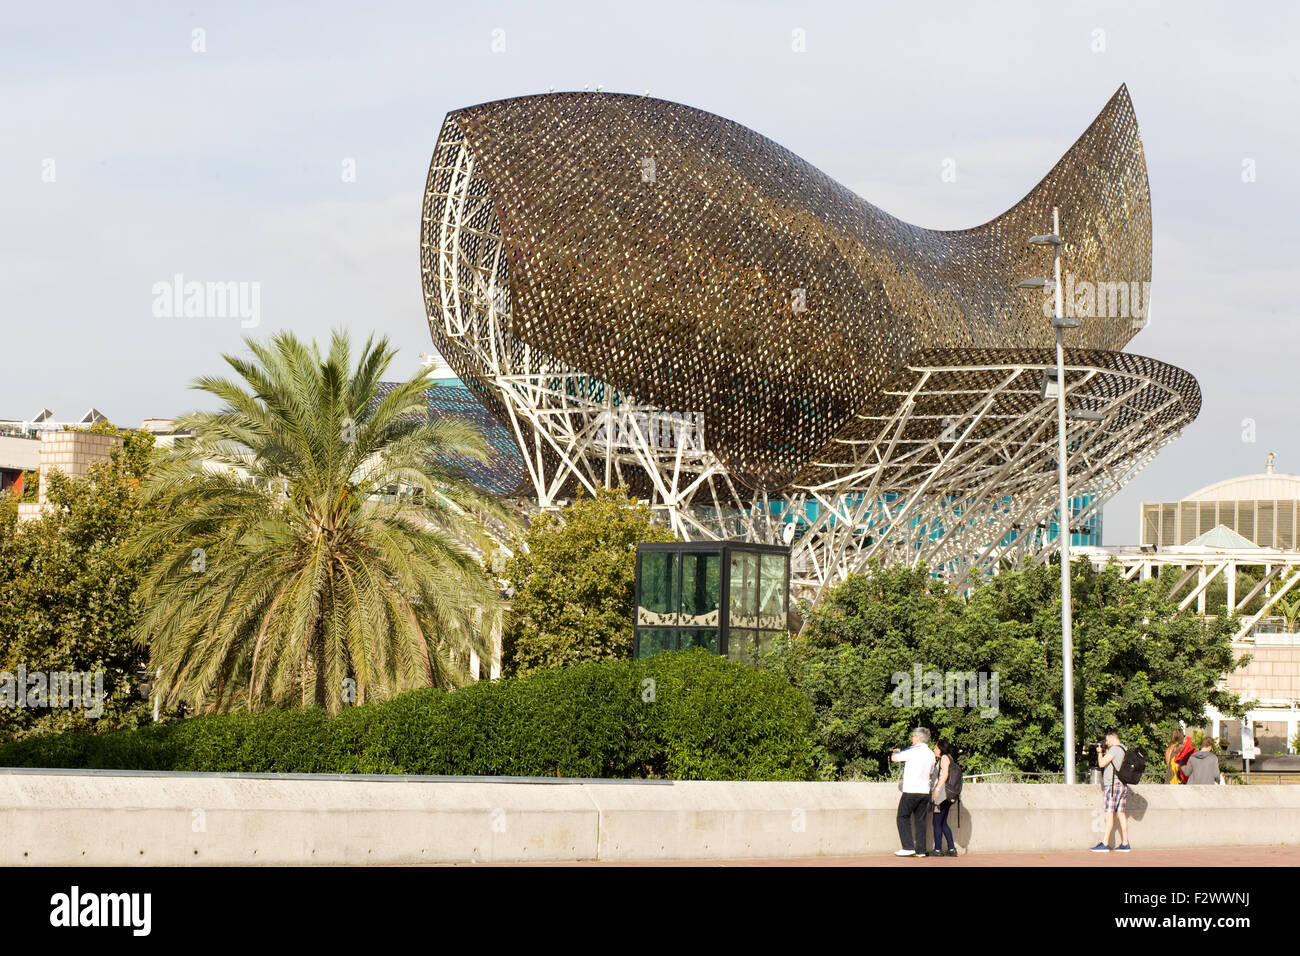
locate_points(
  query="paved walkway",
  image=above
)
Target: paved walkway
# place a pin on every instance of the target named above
(1211, 856)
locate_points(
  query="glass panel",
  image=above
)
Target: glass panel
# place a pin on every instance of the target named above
(741, 645)
(771, 608)
(658, 603)
(701, 586)
(744, 589)
(654, 640)
(699, 637)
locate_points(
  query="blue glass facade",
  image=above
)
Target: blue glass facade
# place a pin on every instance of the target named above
(1083, 531)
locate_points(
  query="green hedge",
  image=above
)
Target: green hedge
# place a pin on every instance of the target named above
(706, 719)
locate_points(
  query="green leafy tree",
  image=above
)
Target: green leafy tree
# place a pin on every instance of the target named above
(67, 601)
(574, 584)
(284, 573)
(31, 485)
(1139, 663)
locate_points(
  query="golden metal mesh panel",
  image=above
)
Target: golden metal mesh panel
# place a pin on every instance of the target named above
(687, 261)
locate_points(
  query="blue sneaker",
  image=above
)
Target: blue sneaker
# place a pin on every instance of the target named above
(1123, 848)
(1100, 848)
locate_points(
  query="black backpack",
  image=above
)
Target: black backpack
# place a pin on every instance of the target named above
(1131, 769)
(953, 783)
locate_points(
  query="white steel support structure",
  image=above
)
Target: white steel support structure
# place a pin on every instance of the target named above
(1197, 568)
(971, 492)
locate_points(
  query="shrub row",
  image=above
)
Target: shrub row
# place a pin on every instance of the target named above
(690, 715)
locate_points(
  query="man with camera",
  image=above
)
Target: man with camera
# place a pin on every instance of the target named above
(917, 761)
(1114, 791)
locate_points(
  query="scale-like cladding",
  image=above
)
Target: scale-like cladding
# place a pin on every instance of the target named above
(686, 263)
(649, 295)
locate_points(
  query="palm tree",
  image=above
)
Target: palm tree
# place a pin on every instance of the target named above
(1288, 608)
(285, 569)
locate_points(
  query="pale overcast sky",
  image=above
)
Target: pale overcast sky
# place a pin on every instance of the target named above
(227, 164)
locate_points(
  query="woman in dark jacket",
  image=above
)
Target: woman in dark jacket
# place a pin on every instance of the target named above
(945, 762)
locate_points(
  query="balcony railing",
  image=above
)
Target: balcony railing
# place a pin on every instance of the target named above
(1276, 632)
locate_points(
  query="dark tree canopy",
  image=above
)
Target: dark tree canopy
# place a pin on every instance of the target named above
(1140, 664)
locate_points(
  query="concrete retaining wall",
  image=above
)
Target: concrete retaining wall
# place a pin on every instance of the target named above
(110, 817)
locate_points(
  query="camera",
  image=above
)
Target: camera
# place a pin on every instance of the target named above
(1092, 746)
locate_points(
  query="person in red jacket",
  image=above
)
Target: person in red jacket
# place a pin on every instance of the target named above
(1181, 758)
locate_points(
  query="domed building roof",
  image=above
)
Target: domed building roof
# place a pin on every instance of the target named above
(1265, 486)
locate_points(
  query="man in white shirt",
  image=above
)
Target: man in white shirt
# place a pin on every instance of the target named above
(917, 761)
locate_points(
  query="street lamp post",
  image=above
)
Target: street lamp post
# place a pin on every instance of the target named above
(1060, 323)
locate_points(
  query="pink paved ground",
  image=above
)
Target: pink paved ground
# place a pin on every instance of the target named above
(1213, 856)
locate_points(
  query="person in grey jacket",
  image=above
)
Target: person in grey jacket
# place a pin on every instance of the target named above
(1203, 766)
